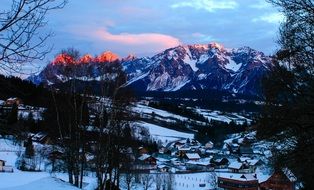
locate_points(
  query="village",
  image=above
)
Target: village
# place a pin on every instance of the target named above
(236, 166)
(241, 163)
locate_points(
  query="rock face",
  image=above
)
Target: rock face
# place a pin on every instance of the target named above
(190, 67)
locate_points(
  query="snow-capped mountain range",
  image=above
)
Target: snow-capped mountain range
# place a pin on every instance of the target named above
(186, 67)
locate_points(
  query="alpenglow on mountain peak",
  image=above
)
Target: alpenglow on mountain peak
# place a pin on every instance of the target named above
(185, 67)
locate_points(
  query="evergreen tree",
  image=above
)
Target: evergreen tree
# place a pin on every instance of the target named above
(289, 92)
(12, 118)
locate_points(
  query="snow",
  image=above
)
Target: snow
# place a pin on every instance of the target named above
(232, 65)
(27, 180)
(135, 79)
(192, 156)
(163, 134)
(201, 76)
(203, 58)
(193, 181)
(236, 176)
(179, 86)
(143, 109)
(189, 60)
(235, 165)
(219, 116)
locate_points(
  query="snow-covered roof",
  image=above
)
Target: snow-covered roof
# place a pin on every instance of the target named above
(183, 148)
(162, 166)
(192, 156)
(252, 162)
(144, 157)
(238, 177)
(243, 159)
(289, 174)
(235, 165)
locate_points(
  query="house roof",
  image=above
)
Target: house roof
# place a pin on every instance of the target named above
(238, 177)
(144, 157)
(162, 166)
(252, 162)
(243, 158)
(193, 156)
(235, 165)
(184, 148)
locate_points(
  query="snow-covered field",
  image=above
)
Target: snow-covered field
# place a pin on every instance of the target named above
(227, 117)
(162, 134)
(209, 114)
(143, 109)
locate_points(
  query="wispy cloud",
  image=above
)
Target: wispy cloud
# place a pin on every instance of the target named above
(273, 18)
(153, 39)
(124, 43)
(208, 5)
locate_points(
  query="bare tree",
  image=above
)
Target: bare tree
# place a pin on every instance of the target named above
(289, 92)
(147, 180)
(21, 37)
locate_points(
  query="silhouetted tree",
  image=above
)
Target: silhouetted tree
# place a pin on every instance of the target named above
(289, 90)
(20, 39)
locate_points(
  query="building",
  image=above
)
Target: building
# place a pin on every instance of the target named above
(148, 159)
(4, 168)
(193, 156)
(279, 180)
(231, 181)
(209, 145)
(142, 150)
(237, 167)
(163, 168)
(11, 101)
(220, 162)
(2, 164)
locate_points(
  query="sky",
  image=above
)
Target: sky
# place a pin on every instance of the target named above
(146, 27)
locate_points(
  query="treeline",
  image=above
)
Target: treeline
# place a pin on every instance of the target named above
(31, 94)
(179, 110)
(217, 131)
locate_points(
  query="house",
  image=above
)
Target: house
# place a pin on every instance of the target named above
(163, 168)
(193, 156)
(183, 150)
(4, 168)
(2, 164)
(233, 148)
(253, 164)
(246, 150)
(148, 159)
(220, 162)
(178, 144)
(238, 167)
(199, 166)
(209, 145)
(233, 181)
(41, 137)
(142, 150)
(11, 101)
(280, 180)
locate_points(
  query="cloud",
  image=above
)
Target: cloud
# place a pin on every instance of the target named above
(208, 5)
(125, 43)
(273, 18)
(153, 39)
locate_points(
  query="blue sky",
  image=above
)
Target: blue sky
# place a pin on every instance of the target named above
(146, 27)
